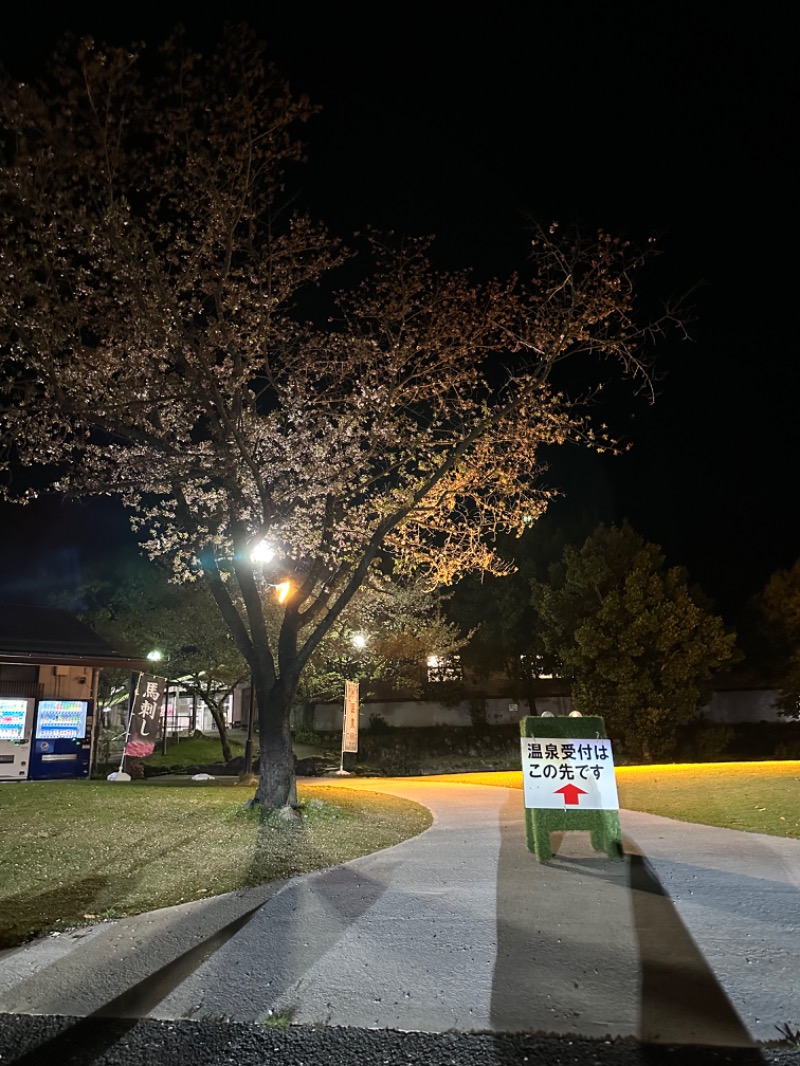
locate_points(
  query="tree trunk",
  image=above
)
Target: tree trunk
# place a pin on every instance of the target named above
(276, 779)
(222, 729)
(530, 697)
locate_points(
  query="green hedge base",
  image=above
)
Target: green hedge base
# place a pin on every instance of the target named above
(540, 823)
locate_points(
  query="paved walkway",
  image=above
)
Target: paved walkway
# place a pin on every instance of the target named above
(693, 938)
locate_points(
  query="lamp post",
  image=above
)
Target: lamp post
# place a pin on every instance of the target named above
(260, 555)
(263, 553)
(247, 768)
(156, 656)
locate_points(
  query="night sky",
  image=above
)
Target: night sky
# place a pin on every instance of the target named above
(646, 119)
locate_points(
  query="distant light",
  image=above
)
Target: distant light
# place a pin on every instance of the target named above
(283, 591)
(433, 661)
(262, 553)
(358, 640)
(155, 656)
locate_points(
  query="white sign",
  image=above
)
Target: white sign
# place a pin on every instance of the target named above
(572, 775)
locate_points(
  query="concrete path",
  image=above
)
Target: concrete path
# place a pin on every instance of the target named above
(692, 938)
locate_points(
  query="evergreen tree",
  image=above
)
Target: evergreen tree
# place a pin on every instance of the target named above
(635, 643)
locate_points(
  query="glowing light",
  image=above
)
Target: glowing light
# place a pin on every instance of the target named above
(283, 590)
(358, 640)
(155, 656)
(262, 553)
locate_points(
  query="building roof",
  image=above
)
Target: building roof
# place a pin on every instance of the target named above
(47, 635)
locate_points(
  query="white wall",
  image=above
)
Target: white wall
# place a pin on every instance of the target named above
(399, 713)
(750, 705)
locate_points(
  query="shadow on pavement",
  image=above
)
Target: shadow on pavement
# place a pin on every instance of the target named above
(677, 984)
(86, 1039)
(629, 921)
(96, 1033)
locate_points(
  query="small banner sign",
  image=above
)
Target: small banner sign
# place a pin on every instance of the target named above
(575, 774)
(146, 709)
(350, 728)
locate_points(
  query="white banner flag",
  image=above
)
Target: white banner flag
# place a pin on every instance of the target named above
(350, 729)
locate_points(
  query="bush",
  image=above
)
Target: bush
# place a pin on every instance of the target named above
(388, 751)
(477, 713)
(788, 749)
(764, 740)
(378, 724)
(432, 749)
(705, 742)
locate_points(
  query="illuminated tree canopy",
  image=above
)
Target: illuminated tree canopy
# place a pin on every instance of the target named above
(175, 333)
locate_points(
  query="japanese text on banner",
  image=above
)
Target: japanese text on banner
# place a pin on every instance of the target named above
(146, 710)
(350, 729)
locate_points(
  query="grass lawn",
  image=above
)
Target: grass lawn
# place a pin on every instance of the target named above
(759, 797)
(195, 751)
(74, 852)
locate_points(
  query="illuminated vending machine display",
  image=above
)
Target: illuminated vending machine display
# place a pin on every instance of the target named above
(63, 740)
(16, 722)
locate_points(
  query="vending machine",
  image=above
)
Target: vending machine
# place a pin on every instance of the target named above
(62, 741)
(16, 724)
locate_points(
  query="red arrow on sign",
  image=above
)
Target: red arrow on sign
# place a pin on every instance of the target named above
(571, 793)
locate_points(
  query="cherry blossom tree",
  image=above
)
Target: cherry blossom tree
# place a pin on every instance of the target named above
(384, 638)
(176, 332)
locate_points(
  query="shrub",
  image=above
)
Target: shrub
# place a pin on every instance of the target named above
(706, 742)
(378, 724)
(788, 749)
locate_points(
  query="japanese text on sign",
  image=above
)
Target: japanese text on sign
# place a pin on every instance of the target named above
(575, 774)
(350, 729)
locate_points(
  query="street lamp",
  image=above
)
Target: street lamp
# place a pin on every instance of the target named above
(283, 589)
(157, 656)
(262, 553)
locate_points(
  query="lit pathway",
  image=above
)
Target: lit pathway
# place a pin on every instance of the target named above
(461, 928)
